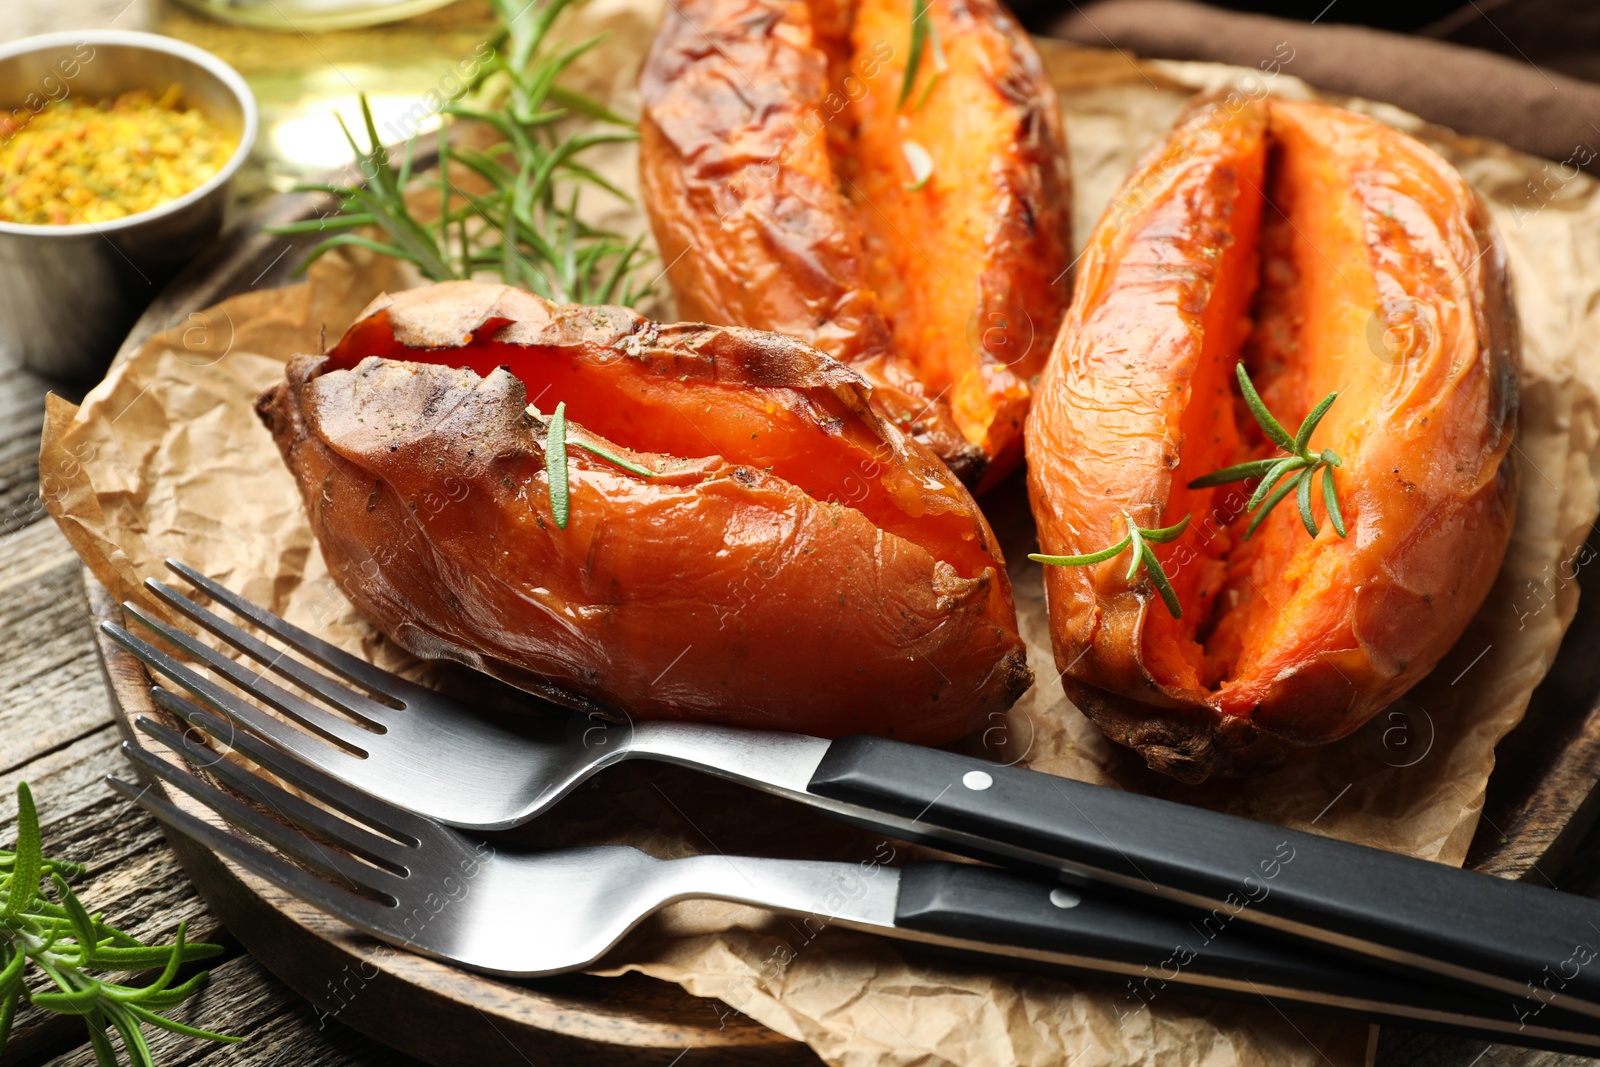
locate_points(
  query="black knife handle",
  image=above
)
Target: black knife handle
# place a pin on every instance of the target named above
(1511, 936)
(1146, 950)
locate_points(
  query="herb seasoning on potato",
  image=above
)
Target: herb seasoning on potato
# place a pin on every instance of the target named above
(1305, 251)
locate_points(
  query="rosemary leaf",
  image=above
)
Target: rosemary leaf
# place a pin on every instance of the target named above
(556, 463)
(132, 1039)
(27, 861)
(8, 1008)
(1271, 426)
(920, 25)
(612, 458)
(72, 1000)
(1166, 534)
(1330, 499)
(1136, 557)
(1283, 490)
(1302, 437)
(1152, 567)
(11, 973)
(143, 1014)
(103, 1052)
(1303, 499)
(1256, 468)
(82, 924)
(1084, 560)
(170, 998)
(333, 222)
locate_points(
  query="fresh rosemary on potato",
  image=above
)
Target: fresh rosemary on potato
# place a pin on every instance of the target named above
(555, 460)
(924, 39)
(1139, 540)
(1282, 475)
(64, 942)
(525, 228)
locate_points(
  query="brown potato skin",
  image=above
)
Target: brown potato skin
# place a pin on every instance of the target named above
(777, 204)
(1130, 409)
(715, 591)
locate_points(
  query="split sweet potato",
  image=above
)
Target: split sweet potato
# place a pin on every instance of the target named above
(916, 229)
(1328, 252)
(769, 552)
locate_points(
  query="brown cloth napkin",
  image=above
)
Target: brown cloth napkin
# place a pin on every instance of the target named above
(1470, 91)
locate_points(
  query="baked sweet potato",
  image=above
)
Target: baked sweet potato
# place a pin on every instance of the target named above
(1328, 252)
(781, 558)
(780, 156)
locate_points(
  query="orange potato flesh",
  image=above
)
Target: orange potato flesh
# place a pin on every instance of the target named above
(749, 217)
(774, 168)
(713, 590)
(1206, 258)
(959, 285)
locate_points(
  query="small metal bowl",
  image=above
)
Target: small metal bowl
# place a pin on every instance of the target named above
(68, 294)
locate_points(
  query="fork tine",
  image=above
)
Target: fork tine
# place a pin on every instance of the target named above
(257, 723)
(348, 836)
(339, 695)
(310, 775)
(356, 910)
(335, 659)
(324, 723)
(283, 836)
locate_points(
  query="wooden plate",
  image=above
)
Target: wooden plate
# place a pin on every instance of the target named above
(429, 1010)
(1539, 805)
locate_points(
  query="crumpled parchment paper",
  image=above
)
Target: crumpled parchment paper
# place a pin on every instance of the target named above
(165, 458)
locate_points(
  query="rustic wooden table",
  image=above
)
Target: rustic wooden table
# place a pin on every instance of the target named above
(57, 733)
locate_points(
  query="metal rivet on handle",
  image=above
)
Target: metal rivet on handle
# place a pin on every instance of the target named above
(1065, 898)
(977, 780)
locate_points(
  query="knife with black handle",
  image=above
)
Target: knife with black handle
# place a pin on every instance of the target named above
(1151, 950)
(1536, 945)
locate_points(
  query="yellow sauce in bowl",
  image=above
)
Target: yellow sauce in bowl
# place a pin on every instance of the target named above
(85, 161)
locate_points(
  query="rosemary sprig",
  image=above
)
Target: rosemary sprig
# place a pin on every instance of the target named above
(555, 460)
(924, 38)
(63, 940)
(525, 228)
(1282, 475)
(1139, 540)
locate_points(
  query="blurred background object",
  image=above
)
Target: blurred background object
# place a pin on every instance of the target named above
(1517, 72)
(76, 268)
(312, 15)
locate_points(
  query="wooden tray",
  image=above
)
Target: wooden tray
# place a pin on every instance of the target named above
(1538, 807)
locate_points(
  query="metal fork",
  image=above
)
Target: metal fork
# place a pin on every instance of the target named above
(444, 759)
(425, 750)
(430, 889)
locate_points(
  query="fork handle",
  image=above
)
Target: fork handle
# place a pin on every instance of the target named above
(1514, 937)
(1151, 950)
